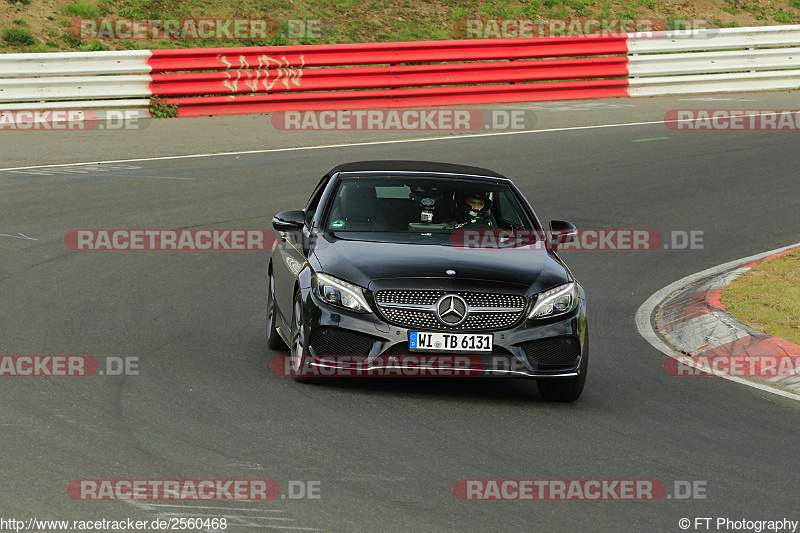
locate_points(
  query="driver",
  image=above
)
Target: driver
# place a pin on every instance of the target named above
(475, 212)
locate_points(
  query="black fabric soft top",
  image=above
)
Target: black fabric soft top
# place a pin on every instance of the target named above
(414, 166)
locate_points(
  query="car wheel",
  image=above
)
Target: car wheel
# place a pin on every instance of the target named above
(274, 341)
(299, 358)
(568, 389)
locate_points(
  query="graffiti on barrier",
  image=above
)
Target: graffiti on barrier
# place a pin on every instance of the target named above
(267, 73)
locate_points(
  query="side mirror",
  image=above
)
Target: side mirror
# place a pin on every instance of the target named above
(561, 232)
(288, 221)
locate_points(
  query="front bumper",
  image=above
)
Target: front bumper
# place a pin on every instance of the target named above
(339, 341)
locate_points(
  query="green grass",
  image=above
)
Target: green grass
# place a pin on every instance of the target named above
(674, 23)
(82, 9)
(92, 46)
(346, 21)
(70, 41)
(159, 108)
(38, 49)
(133, 13)
(767, 298)
(18, 37)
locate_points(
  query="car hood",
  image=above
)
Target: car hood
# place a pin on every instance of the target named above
(379, 265)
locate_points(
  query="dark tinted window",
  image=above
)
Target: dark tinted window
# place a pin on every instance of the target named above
(422, 206)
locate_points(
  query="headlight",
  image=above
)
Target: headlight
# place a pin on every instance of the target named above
(557, 301)
(340, 293)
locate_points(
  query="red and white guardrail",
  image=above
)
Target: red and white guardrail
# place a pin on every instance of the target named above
(407, 74)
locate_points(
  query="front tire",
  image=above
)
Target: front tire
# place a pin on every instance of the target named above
(274, 341)
(299, 357)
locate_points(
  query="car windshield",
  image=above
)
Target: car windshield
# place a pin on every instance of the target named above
(414, 209)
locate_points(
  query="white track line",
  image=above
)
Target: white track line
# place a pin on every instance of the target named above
(370, 143)
(366, 143)
(645, 312)
(346, 145)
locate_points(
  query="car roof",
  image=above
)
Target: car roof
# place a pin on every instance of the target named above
(414, 166)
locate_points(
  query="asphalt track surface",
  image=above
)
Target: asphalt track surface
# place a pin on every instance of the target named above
(387, 452)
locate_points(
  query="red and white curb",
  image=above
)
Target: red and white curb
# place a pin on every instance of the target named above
(686, 320)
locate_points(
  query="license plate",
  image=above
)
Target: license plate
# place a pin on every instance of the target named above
(450, 342)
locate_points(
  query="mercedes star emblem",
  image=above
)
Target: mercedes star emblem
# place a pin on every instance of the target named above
(451, 310)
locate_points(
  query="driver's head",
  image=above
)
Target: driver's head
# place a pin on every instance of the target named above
(476, 203)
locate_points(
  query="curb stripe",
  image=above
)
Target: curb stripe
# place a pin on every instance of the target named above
(645, 317)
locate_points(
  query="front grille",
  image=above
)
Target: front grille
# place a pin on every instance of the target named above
(411, 319)
(417, 309)
(491, 320)
(408, 297)
(479, 299)
(337, 341)
(553, 352)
